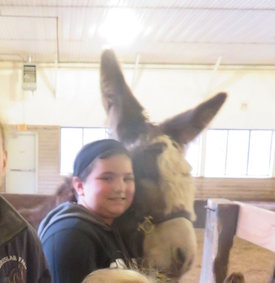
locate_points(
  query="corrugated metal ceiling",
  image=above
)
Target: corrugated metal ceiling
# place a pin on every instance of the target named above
(173, 32)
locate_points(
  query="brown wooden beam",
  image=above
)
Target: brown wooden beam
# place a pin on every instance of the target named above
(221, 222)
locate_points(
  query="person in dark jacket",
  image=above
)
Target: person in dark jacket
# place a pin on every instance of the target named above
(21, 256)
(80, 237)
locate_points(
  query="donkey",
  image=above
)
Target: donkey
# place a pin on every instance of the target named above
(157, 229)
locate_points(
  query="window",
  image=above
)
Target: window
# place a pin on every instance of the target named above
(193, 155)
(238, 153)
(260, 161)
(72, 140)
(216, 153)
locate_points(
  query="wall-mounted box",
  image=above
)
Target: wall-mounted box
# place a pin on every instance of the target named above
(29, 77)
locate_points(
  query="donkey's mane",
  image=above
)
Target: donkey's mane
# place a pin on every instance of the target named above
(177, 185)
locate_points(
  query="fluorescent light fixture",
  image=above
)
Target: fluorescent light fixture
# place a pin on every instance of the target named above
(120, 27)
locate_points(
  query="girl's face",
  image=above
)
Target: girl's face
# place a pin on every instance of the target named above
(109, 188)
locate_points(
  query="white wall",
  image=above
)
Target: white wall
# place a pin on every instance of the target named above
(70, 96)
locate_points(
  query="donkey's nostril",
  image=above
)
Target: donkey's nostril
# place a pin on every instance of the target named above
(180, 256)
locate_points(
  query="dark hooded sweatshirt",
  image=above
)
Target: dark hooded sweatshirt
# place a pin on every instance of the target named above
(76, 242)
(21, 256)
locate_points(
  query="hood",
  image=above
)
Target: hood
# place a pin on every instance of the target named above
(11, 222)
(70, 210)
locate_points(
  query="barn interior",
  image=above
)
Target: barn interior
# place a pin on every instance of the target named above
(175, 55)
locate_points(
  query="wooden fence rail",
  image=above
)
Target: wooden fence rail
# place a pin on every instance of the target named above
(226, 219)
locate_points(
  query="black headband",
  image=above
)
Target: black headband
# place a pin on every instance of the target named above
(92, 150)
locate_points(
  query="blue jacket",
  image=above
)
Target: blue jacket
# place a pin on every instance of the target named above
(76, 242)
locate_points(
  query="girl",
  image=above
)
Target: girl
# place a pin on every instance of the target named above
(79, 237)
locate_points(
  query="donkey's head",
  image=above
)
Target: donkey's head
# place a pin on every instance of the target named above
(158, 227)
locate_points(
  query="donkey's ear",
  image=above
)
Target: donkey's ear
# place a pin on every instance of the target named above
(125, 114)
(186, 126)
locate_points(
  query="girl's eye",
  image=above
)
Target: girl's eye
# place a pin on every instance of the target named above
(129, 179)
(106, 178)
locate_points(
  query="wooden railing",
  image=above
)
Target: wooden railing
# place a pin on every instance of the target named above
(226, 219)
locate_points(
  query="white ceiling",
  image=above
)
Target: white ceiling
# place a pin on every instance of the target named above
(174, 31)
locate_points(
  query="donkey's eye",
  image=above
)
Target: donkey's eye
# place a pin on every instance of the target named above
(175, 144)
